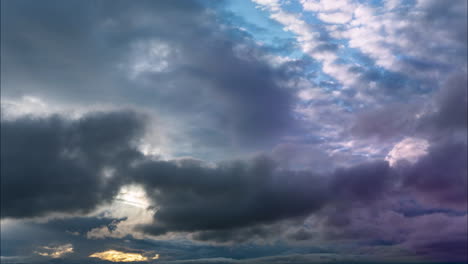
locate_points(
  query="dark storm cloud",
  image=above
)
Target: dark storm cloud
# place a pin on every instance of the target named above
(231, 202)
(440, 178)
(238, 201)
(364, 182)
(65, 50)
(191, 197)
(57, 165)
(215, 88)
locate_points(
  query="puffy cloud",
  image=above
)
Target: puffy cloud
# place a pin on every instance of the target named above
(383, 80)
(440, 178)
(192, 197)
(409, 149)
(170, 58)
(241, 201)
(336, 18)
(76, 165)
(58, 165)
(229, 202)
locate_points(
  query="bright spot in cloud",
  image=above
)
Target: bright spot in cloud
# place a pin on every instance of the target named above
(410, 149)
(119, 256)
(55, 252)
(133, 195)
(131, 204)
(150, 57)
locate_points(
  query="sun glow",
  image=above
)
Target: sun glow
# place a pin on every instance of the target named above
(133, 195)
(119, 256)
(55, 252)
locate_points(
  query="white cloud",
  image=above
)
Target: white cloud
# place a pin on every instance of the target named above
(409, 149)
(151, 56)
(270, 4)
(309, 37)
(326, 5)
(336, 17)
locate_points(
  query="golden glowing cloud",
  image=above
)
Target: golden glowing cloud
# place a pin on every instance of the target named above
(55, 252)
(119, 256)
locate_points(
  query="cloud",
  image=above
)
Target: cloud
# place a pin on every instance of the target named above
(118, 256)
(364, 182)
(448, 244)
(55, 251)
(53, 164)
(244, 200)
(409, 149)
(362, 145)
(451, 102)
(192, 197)
(79, 225)
(227, 202)
(335, 18)
(440, 178)
(435, 118)
(210, 83)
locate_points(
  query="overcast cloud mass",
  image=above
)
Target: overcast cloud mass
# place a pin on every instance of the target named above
(250, 131)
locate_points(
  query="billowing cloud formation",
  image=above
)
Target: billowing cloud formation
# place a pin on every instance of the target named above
(311, 129)
(178, 60)
(441, 176)
(192, 197)
(59, 165)
(229, 201)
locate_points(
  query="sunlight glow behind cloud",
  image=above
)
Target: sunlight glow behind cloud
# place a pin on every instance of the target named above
(133, 195)
(119, 256)
(55, 252)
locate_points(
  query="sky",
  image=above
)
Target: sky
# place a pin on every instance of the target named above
(234, 131)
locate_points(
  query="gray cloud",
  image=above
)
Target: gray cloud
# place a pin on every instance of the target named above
(191, 197)
(58, 165)
(451, 102)
(239, 201)
(211, 86)
(438, 118)
(231, 202)
(184, 65)
(440, 177)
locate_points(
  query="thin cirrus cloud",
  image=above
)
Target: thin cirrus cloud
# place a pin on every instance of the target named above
(193, 132)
